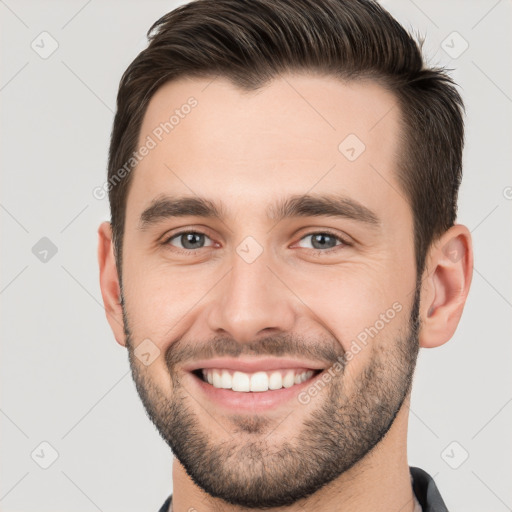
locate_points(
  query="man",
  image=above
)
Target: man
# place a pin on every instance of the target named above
(283, 180)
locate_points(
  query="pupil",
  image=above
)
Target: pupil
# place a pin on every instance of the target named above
(192, 240)
(321, 241)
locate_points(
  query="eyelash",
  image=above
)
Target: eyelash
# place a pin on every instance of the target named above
(344, 242)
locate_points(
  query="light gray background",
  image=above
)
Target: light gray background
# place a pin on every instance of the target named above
(66, 381)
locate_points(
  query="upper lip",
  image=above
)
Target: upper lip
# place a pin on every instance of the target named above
(252, 365)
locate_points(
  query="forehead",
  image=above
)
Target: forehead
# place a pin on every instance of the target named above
(297, 134)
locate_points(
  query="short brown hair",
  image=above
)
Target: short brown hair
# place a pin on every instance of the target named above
(250, 42)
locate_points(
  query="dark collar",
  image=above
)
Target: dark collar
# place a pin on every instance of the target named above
(426, 491)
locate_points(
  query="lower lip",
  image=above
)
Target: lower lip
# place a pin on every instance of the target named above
(252, 401)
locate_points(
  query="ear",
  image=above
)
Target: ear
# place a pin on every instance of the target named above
(109, 282)
(445, 286)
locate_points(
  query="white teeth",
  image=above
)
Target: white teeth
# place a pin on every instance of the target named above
(303, 376)
(217, 380)
(256, 382)
(289, 379)
(225, 380)
(241, 382)
(259, 381)
(275, 381)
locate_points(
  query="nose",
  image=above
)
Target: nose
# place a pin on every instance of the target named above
(252, 301)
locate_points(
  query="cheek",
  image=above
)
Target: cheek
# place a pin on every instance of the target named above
(364, 315)
(362, 305)
(160, 300)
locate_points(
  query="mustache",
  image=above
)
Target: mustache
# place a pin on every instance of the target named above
(326, 350)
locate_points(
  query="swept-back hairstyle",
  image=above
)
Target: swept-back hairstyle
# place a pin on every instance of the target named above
(250, 42)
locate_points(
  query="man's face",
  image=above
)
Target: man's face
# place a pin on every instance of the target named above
(261, 292)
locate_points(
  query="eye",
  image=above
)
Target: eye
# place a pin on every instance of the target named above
(321, 241)
(189, 240)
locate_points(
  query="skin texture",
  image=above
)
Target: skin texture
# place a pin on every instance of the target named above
(246, 150)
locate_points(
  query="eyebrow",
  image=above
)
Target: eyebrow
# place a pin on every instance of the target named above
(166, 207)
(323, 206)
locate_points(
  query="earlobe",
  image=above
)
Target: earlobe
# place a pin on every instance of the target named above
(109, 282)
(446, 286)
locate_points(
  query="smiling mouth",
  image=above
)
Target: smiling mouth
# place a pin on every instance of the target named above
(260, 381)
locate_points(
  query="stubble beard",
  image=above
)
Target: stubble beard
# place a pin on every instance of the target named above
(247, 469)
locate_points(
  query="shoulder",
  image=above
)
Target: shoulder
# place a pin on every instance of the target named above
(166, 505)
(426, 491)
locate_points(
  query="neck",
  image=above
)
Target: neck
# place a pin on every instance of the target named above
(380, 481)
